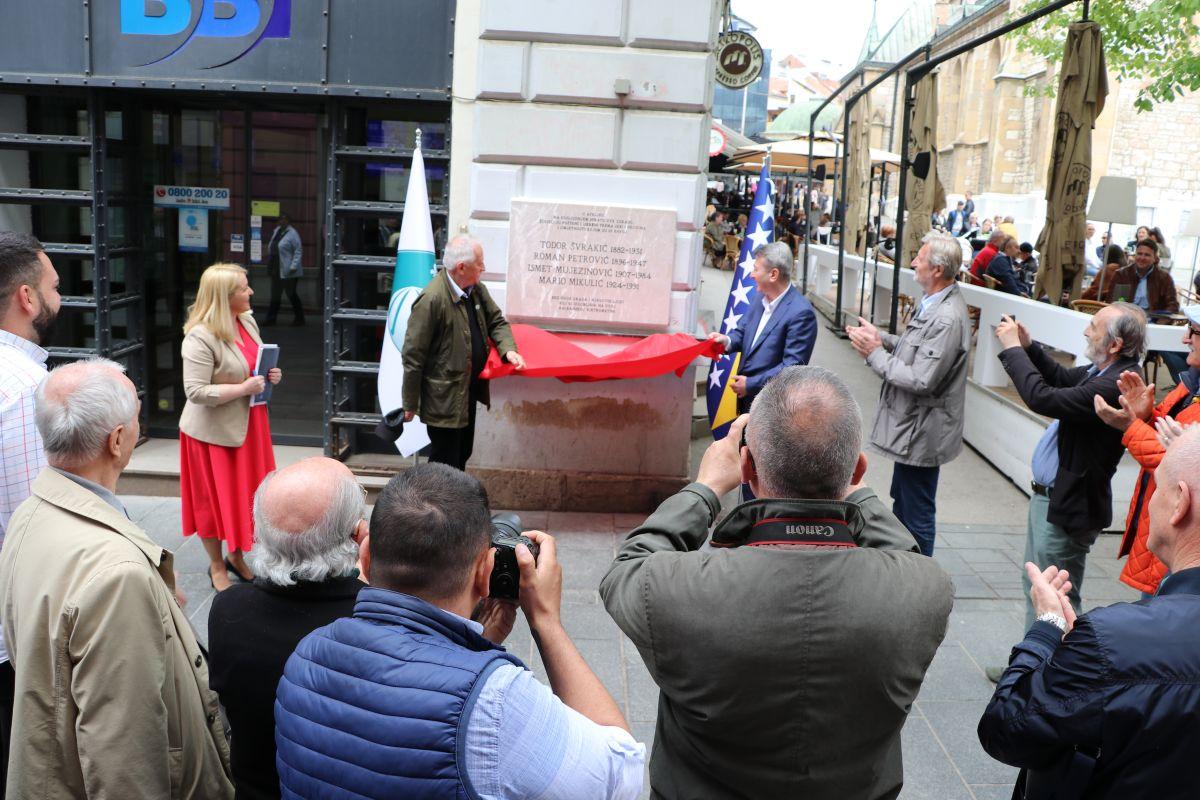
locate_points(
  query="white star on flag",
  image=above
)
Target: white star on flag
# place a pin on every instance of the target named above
(731, 321)
(741, 294)
(747, 266)
(759, 237)
(715, 378)
(767, 209)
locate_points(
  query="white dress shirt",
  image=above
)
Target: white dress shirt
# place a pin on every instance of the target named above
(769, 307)
(523, 741)
(22, 368)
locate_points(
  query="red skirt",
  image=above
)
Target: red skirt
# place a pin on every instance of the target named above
(217, 483)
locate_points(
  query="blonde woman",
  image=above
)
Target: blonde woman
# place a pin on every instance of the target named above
(224, 442)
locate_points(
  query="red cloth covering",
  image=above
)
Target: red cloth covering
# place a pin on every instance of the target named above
(559, 355)
(216, 483)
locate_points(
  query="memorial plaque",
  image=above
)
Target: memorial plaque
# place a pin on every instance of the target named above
(590, 267)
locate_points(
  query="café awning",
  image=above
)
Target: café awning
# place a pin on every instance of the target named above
(792, 155)
(1082, 87)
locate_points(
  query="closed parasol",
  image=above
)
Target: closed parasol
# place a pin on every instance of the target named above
(1082, 87)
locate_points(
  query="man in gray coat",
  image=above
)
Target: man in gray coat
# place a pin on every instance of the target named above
(788, 653)
(284, 264)
(919, 419)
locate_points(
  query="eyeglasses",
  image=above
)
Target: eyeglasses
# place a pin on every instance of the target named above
(1192, 332)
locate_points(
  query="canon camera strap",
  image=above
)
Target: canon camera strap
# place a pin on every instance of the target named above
(801, 530)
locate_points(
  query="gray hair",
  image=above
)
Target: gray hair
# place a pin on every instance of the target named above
(75, 420)
(945, 252)
(778, 256)
(459, 250)
(1130, 327)
(324, 550)
(805, 434)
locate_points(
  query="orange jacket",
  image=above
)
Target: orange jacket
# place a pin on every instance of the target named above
(1143, 571)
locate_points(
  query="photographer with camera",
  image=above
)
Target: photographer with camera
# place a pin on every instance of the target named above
(410, 697)
(789, 653)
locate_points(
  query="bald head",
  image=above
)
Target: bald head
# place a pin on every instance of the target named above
(1175, 505)
(307, 518)
(78, 409)
(296, 497)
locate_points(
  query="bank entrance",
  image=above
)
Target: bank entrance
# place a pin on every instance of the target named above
(134, 193)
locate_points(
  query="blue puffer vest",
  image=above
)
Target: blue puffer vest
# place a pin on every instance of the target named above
(376, 705)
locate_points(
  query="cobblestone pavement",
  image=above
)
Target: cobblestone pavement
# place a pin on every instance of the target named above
(942, 756)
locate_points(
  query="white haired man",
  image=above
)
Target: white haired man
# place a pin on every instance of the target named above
(919, 419)
(451, 324)
(1104, 704)
(112, 694)
(308, 520)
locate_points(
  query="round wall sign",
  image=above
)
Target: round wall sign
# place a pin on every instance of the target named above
(716, 142)
(739, 59)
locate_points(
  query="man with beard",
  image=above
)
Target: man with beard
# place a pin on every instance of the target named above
(1074, 461)
(29, 303)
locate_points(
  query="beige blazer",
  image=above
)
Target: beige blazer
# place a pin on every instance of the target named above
(112, 697)
(207, 363)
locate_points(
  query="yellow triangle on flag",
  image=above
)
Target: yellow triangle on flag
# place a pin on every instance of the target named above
(727, 409)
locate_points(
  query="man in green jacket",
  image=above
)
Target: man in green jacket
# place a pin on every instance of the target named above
(789, 650)
(445, 349)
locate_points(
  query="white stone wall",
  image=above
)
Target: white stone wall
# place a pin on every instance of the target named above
(536, 115)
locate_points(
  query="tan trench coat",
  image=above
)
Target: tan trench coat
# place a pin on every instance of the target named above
(112, 698)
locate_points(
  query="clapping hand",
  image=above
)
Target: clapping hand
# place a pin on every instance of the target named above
(1048, 594)
(864, 337)
(1169, 430)
(1137, 402)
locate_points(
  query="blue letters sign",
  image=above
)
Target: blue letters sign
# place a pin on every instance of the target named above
(214, 32)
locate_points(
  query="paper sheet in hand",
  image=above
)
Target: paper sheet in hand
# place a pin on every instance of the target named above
(414, 436)
(268, 359)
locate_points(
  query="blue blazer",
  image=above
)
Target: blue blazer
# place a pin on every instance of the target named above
(1001, 268)
(786, 341)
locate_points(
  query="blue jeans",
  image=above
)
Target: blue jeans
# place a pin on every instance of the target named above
(914, 502)
(1046, 544)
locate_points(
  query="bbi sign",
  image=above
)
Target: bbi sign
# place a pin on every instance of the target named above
(209, 33)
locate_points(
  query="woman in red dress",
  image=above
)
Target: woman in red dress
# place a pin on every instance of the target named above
(224, 441)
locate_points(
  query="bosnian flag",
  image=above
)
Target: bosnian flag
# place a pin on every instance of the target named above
(722, 402)
(414, 267)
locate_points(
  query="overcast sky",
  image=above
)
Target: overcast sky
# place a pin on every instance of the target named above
(830, 29)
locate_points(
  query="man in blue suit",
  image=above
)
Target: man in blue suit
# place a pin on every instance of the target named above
(778, 331)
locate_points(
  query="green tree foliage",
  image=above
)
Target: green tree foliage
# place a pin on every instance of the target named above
(1156, 41)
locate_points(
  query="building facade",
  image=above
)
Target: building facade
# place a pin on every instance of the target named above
(142, 142)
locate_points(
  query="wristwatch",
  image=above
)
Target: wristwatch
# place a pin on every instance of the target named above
(1056, 620)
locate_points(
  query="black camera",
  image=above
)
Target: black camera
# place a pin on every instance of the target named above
(506, 573)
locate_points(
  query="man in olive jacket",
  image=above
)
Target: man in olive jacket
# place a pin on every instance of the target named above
(789, 652)
(445, 349)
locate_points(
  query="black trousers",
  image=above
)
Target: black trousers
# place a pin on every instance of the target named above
(278, 285)
(453, 446)
(8, 680)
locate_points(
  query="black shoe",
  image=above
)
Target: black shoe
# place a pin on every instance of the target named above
(232, 569)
